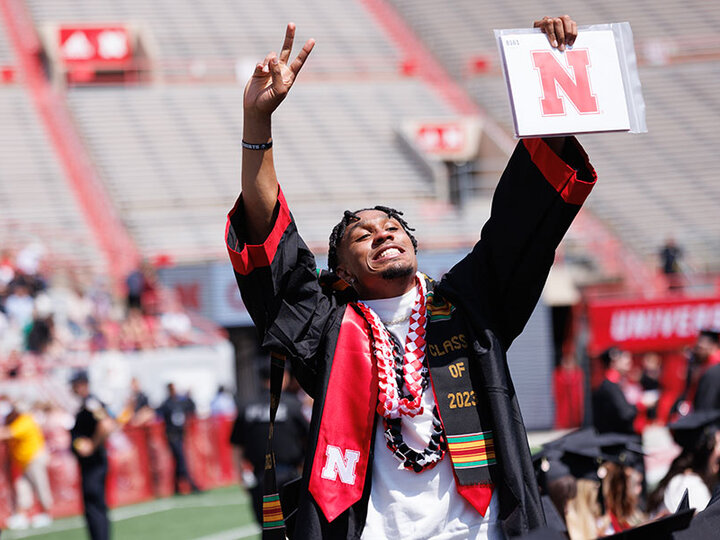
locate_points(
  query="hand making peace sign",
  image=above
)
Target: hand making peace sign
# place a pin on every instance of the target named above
(274, 77)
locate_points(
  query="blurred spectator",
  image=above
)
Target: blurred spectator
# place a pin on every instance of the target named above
(611, 410)
(142, 289)
(19, 305)
(175, 411)
(569, 388)
(137, 410)
(650, 383)
(670, 257)
(696, 468)
(41, 333)
(137, 332)
(583, 511)
(135, 283)
(29, 454)
(93, 426)
(250, 433)
(707, 396)
(223, 404)
(622, 487)
(7, 271)
(176, 324)
(704, 354)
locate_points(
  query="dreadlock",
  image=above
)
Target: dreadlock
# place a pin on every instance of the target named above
(351, 217)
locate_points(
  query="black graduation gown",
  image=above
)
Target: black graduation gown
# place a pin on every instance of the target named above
(611, 411)
(494, 290)
(707, 396)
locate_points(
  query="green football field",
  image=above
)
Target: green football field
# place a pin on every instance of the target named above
(221, 514)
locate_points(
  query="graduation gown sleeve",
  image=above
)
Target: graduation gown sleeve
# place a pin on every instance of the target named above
(538, 196)
(279, 286)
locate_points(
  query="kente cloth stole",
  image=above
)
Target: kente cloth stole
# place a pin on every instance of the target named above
(469, 436)
(340, 463)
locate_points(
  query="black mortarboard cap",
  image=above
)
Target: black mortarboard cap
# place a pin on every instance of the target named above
(705, 524)
(689, 430)
(660, 529)
(548, 465)
(572, 455)
(621, 448)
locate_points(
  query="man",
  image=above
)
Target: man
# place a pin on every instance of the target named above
(93, 425)
(249, 435)
(670, 257)
(447, 452)
(175, 411)
(707, 350)
(611, 410)
(29, 455)
(700, 359)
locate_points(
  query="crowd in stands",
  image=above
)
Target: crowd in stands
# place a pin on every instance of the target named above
(47, 313)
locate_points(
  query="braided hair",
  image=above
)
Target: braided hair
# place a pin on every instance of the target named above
(351, 217)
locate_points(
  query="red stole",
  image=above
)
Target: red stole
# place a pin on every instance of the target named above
(346, 428)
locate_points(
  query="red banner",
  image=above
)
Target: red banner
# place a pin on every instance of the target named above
(650, 325)
(101, 44)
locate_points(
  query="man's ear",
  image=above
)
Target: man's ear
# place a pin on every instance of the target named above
(345, 275)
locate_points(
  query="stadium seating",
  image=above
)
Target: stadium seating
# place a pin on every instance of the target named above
(184, 31)
(37, 204)
(7, 55)
(170, 158)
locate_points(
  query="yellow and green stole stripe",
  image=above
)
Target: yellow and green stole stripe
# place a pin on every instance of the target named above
(471, 450)
(272, 512)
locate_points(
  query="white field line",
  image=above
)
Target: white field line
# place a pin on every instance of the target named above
(234, 534)
(130, 512)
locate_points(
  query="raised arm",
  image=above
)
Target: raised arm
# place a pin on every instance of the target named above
(543, 187)
(264, 92)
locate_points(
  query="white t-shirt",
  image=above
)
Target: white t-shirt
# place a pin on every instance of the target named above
(407, 505)
(698, 493)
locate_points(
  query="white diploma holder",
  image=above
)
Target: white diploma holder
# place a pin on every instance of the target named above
(592, 86)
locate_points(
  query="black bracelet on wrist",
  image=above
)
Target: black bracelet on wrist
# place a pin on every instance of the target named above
(253, 146)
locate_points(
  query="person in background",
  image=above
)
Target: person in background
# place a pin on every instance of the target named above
(175, 412)
(696, 468)
(93, 425)
(250, 434)
(650, 383)
(569, 390)
(611, 410)
(135, 283)
(704, 354)
(622, 482)
(137, 409)
(223, 404)
(707, 396)
(670, 256)
(29, 454)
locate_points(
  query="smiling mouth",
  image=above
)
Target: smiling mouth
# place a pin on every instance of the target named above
(387, 254)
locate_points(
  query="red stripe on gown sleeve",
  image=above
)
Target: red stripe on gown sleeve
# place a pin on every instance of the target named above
(246, 257)
(558, 173)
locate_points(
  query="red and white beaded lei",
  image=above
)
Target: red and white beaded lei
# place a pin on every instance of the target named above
(391, 403)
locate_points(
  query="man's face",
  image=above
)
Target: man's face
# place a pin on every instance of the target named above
(704, 347)
(81, 389)
(376, 256)
(623, 363)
